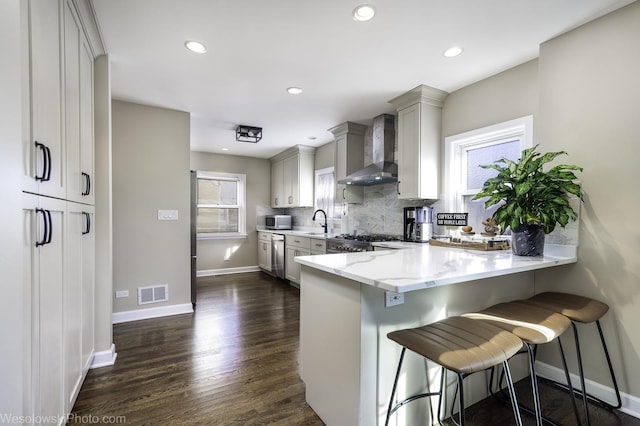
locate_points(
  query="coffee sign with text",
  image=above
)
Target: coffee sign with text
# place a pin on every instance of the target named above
(452, 219)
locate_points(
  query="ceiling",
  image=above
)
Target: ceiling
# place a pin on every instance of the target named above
(349, 70)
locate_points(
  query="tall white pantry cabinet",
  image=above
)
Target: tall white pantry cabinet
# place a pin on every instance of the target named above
(57, 235)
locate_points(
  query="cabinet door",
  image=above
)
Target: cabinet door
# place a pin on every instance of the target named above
(88, 287)
(277, 190)
(87, 141)
(78, 72)
(72, 304)
(72, 105)
(408, 152)
(290, 179)
(43, 244)
(264, 251)
(44, 156)
(291, 268)
(349, 158)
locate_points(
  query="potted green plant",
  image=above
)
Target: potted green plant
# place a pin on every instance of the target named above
(534, 200)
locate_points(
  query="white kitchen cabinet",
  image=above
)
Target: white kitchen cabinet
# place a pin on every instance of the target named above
(292, 177)
(78, 299)
(264, 251)
(295, 246)
(78, 100)
(318, 246)
(58, 246)
(44, 230)
(419, 122)
(349, 158)
(43, 145)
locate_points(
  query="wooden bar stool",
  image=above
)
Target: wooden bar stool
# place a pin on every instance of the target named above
(534, 326)
(584, 310)
(461, 345)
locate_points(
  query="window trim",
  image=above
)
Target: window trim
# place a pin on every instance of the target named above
(456, 145)
(241, 206)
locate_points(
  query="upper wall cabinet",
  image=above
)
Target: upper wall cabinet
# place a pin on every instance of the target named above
(44, 151)
(292, 177)
(419, 124)
(78, 129)
(58, 147)
(349, 150)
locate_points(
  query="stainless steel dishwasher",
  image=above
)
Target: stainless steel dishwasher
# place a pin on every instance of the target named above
(277, 255)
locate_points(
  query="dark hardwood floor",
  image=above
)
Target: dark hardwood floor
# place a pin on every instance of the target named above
(235, 362)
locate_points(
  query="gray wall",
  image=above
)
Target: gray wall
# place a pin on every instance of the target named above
(584, 94)
(589, 106)
(150, 172)
(215, 255)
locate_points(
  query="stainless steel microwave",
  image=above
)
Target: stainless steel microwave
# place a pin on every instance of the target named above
(278, 221)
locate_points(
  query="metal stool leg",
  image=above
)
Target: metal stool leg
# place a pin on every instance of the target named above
(613, 376)
(393, 390)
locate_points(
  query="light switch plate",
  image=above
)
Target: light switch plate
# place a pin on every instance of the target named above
(167, 214)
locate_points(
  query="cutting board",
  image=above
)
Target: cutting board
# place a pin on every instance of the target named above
(472, 245)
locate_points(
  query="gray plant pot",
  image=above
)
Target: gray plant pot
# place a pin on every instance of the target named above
(528, 240)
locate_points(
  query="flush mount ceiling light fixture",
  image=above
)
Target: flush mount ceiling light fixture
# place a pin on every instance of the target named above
(452, 52)
(248, 134)
(364, 12)
(294, 90)
(195, 46)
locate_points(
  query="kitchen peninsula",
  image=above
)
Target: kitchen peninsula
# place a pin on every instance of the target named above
(346, 360)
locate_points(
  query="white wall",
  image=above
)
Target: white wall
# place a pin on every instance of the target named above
(589, 106)
(584, 94)
(217, 255)
(150, 172)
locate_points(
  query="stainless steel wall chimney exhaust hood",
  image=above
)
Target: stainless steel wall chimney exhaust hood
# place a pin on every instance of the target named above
(383, 169)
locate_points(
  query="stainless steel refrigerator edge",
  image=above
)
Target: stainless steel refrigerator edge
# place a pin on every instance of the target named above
(194, 226)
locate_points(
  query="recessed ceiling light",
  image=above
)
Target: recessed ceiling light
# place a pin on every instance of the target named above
(294, 90)
(453, 51)
(364, 12)
(225, 149)
(195, 46)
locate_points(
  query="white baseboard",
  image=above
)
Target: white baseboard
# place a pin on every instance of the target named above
(630, 403)
(161, 311)
(104, 358)
(227, 271)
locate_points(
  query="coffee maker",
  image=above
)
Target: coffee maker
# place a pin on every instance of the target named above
(418, 224)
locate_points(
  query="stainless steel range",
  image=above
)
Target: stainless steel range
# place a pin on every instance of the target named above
(349, 243)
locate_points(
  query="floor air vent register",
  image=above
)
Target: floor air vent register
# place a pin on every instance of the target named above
(153, 294)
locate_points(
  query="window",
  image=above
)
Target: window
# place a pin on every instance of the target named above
(466, 152)
(221, 205)
(325, 191)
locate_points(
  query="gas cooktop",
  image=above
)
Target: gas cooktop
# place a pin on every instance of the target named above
(369, 237)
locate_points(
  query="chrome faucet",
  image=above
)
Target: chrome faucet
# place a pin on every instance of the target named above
(325, 218)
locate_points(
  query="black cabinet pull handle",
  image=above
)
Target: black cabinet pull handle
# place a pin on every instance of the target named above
(48, 166)
(87, 218)
(48, 227)
(48, 212)
(87, 183)
(43, 241)
(46, 162)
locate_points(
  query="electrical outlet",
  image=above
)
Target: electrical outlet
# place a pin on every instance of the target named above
(393, 299)
(122, 293)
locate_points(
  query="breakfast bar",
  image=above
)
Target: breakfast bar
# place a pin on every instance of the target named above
(346, 361)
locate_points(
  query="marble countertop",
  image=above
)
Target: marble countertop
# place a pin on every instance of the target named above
(430, 266)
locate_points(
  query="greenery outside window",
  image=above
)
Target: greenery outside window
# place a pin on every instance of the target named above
(325, 189)
(465, 153)
(221, 205)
